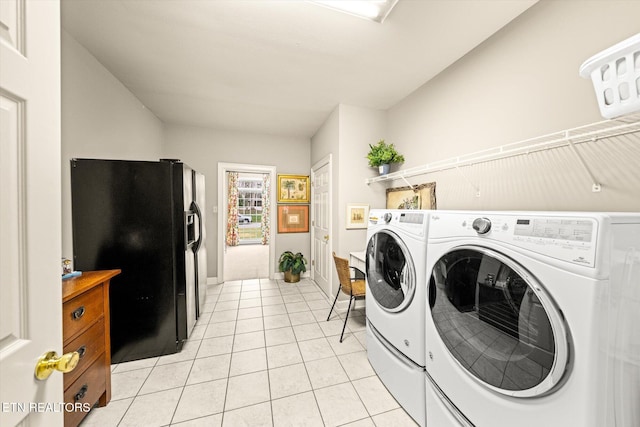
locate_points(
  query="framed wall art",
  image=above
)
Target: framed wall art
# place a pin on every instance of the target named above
(357, 215)
(293, 189)
(419, 197)
(293, 218)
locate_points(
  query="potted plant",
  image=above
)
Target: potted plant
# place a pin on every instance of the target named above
(382, 155)
(292, 265)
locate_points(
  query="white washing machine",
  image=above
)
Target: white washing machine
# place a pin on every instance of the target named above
(533, 319)
(396, 303)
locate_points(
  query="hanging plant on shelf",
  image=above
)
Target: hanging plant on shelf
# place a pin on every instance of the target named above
(382, 155)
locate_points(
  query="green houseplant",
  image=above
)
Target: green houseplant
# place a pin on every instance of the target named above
(292, 265)
(382, 155)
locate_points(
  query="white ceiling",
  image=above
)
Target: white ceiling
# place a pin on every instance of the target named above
(276, 67)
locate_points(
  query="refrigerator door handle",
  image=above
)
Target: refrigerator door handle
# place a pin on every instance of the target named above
(189, 229)
(195, 208)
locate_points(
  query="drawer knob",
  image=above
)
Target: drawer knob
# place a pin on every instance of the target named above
(78, 313)
(81, 351)
(50, 362)
(81, 393)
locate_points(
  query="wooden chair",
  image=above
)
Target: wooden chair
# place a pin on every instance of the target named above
(354, 287)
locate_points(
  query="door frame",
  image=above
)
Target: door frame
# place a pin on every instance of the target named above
(327, 160)
(223, 168)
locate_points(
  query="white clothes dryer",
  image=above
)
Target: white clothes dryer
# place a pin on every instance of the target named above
(532, 319)
(396, 303)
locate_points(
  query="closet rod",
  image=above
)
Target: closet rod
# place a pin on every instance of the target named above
(592, 132)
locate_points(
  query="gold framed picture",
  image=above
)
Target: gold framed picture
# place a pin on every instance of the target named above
(293, 189)
(357, 216)
(419, 197)
(293, 218)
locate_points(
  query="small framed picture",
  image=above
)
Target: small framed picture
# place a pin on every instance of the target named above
(293, 218)
(293, 189)
(357, 215)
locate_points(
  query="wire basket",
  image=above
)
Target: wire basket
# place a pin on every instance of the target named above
(615, 73)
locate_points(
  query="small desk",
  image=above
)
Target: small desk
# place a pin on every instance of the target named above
(357, 260)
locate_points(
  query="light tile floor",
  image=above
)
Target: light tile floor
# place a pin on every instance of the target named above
(262, 354)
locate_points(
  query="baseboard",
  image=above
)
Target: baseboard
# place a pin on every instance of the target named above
(212, 281)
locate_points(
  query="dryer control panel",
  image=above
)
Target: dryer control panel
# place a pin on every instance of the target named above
(413, 221)
(564, 237)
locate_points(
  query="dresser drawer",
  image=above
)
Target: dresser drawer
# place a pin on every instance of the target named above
(86, 389)
(82, 311)
(90, 345)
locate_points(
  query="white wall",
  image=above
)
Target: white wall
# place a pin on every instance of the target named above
(203, 148)
(359, 127)
(346, 135)
(521, 83)
(100, 119)
(326, 141)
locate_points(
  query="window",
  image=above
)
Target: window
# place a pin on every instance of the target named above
(250, 187)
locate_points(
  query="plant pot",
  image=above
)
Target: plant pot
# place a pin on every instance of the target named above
(290, 277)
(383, 169)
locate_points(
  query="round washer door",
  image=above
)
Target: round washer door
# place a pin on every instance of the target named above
(391, 274)
(498, 322)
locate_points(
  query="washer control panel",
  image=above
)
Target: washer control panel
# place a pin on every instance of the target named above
(481, 225)
(413, 221)
(571, 230)
(564, 237)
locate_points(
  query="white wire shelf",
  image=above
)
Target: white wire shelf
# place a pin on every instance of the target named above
(570, 137)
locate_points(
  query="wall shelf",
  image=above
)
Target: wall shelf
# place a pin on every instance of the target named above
(566, 138)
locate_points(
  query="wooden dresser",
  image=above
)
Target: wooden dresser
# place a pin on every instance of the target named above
(85, 328)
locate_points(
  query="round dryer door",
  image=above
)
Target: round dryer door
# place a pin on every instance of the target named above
(498, 322)
(390, 271)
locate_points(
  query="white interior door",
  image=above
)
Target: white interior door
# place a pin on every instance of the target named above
(30, 218)
(321, 260)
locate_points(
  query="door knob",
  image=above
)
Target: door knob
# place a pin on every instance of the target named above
(50, 361)
(326, 238)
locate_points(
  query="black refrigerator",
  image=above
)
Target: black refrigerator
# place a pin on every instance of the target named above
(144, 218)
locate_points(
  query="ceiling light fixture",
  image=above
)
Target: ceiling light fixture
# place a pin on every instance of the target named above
(375, 10)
